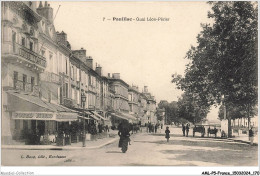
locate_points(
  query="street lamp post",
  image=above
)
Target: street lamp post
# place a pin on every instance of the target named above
(83, 100)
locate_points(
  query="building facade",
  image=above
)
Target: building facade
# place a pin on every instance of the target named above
(44, 80)
(31, 104)
(133, 100)
(150, 107)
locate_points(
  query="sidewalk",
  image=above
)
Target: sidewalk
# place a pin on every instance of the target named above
(74, 146)
(244, 139)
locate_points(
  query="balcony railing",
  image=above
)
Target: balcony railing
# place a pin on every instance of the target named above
(21, 51)
(51, 77)
(31, 56)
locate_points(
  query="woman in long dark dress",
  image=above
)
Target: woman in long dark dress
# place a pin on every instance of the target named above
(167, 134)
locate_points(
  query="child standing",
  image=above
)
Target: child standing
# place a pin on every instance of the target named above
(167, 134)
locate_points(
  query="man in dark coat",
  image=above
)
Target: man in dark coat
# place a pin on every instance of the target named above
(187, 130)
(251, 136)
(183, 129)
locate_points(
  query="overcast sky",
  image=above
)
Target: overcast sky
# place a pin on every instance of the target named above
(144, 53)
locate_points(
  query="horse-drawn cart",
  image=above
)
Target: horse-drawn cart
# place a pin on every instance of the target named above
(210, 129)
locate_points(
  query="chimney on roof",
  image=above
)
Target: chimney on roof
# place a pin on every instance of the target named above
(116, 75)
(81, 53)
(108, 75)
(46, 11)
(99, 70)
(89, 62)
(62, 37)
(145, 89)
(40, 5)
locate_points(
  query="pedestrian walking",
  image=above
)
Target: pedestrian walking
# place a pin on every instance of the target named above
(100, 128)
(107, 129)
(167, 134)
(150, 127)
(187, 130)
(156, 128)
(93, 131)
(183, 129)
(251, 136)
(209, 131)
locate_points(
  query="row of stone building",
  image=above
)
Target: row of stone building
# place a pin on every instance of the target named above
(47, 86)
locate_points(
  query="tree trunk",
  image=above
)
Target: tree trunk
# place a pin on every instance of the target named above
(229, 128)
(248, 117)
(229, 125)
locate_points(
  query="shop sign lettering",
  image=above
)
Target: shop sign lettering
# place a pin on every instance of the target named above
(65, 116)
(44, 116)
(23, 115)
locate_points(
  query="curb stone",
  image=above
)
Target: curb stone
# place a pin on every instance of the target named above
(56, 147)
(237, 140)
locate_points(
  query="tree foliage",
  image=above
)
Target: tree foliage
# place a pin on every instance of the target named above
(224, 64)
(189, 109)
(171, 110)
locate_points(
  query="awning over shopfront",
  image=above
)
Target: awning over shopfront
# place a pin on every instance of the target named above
(96, 114)
(128, 116)
(44, 116)
(94, 117)
(87, 118)
(119, 116)
(64, 117)
(28, 107)
(25, 102)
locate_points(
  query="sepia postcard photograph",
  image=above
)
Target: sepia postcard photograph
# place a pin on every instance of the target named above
(130, 83)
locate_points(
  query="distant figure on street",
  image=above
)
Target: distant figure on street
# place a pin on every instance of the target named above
(208, 131)
(150, 127)
(167, 134)
(93, 131)
(107, 129)
(251, 136)
(100, 128)
(187, 130)
(156, 126)
(183, 129)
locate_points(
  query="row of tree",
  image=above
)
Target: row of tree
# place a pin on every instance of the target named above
(223, 66)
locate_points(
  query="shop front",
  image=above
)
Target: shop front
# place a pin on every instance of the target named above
(116, 119)
(29, 120)
(35, 128)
